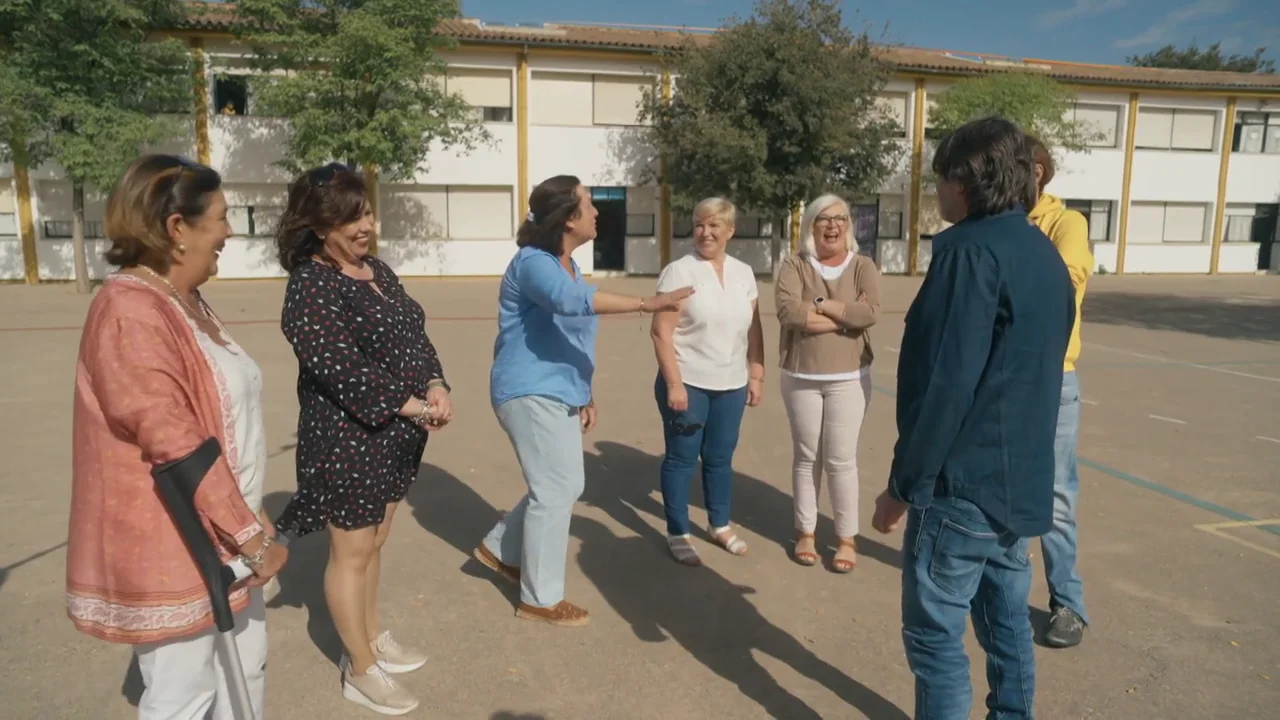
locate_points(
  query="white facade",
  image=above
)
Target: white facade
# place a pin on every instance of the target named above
(458, 215)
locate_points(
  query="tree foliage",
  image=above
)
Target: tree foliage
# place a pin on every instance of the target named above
(1038, 104)
(773, 110)
(360, 81)
(84, 85)
(1210, 58)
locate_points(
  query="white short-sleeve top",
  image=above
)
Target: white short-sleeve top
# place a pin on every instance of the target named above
(711, 337)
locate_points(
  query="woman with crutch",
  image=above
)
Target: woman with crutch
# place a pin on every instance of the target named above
(157, 376)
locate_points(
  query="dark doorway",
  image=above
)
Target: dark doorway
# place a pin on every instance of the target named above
(611, 228)
(866, 221)
(1263, 232)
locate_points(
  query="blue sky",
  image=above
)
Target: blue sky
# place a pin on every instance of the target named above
(1102, 31)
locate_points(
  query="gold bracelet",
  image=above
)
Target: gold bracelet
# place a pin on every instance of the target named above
(642, 305)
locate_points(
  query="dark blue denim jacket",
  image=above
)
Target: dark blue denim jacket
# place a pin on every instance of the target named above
(980, 373)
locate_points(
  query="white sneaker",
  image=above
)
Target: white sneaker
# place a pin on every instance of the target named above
(393, 658)
(376, 690)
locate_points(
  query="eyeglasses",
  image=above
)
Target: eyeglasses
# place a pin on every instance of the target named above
(828, 219)
(323, 176)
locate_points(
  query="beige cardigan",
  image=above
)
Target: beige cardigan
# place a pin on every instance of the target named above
(798, 283)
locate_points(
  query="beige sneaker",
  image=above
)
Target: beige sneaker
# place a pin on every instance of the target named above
(396, 659)
(377, 691)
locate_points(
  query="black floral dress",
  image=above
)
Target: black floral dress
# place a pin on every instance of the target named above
(361, 356)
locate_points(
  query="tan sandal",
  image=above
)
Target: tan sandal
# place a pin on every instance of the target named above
(806, 550)
(845, 561)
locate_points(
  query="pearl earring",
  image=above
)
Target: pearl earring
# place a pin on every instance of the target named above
(182, 248)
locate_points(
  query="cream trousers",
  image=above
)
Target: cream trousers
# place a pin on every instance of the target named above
(185, 679)
(826, 417)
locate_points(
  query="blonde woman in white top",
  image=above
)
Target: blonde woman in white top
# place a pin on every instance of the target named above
(711, 366)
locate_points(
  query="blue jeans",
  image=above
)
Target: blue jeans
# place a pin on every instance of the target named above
(1059, 544)
(534, 535)
(956, 565)
(708, 428)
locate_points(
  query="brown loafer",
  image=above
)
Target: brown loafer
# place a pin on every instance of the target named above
(491, 561)
(563, 613)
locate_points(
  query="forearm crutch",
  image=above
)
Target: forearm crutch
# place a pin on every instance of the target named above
(177, 483)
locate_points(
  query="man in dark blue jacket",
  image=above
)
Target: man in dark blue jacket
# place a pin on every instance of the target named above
(979, 382)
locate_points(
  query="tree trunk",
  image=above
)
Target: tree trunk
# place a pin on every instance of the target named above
(371, 180)
(77, 237)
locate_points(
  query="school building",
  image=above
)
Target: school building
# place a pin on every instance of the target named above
(1184, 179)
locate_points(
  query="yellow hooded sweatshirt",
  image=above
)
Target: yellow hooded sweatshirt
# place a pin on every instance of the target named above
(1069, 232)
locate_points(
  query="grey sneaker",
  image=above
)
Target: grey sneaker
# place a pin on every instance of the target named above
(377, 691)
(396, 659)
(1066, 628)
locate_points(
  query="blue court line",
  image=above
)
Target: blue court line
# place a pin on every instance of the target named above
(1154, 487)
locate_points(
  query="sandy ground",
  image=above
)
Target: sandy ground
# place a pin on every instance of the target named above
(1179, 515)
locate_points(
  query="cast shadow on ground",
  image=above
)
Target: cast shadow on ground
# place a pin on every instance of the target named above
(1252, 318)
(302, 581)
(709, 616)
(507, 715)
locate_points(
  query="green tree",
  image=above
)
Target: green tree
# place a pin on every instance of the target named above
(1210, 58)
(774, 110)
(360, 81)
(86, 86)
(1038, 104)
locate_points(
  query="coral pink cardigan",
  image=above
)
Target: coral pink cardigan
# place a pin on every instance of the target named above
(145, 394)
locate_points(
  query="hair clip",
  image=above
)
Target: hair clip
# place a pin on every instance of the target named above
(529, 217)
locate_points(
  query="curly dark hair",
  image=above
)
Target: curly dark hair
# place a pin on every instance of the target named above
(552, 204)
(991, 159)
(320, 199)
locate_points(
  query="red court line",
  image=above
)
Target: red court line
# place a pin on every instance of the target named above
(276, 321)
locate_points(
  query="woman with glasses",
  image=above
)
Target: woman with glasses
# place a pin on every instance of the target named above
(370, 387)
(158, 374)
(827, 296)
(710, 368)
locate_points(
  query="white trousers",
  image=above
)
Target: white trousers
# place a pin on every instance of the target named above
(185, 679)
(826, 418)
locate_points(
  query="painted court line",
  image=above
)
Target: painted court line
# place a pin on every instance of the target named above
(1156, 487)
(1088, 402)
(1264, 437)
(1218, 528)
(1199, 366)
(1167, 419)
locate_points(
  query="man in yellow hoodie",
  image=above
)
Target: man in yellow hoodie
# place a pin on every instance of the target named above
(1069, 232)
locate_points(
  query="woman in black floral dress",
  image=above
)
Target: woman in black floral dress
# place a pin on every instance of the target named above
(370, 386)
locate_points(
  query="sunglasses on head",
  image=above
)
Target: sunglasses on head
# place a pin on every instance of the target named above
(325, 175)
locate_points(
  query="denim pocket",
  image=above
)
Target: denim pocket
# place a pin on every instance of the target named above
(959, 556)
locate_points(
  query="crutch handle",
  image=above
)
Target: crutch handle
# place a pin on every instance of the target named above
(177, 483)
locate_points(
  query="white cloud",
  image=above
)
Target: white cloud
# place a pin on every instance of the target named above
(1165, 30)
(1081, 9)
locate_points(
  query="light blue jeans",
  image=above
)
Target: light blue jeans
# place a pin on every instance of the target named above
(1059, 544)
(534, 536)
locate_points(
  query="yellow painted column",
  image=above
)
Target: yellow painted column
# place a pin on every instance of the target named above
(917, 170)
(26, 223)
(522, 134)
(1228, 132)
(664, 192)
(201, 90)
(1131, 127)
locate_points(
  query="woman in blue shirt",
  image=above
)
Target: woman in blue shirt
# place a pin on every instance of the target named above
(540, 388)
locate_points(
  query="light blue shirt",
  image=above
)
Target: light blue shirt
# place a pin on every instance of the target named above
(546, 341)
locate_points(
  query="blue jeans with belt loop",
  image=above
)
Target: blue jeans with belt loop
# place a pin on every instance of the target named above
(709, 429)
(957, 565)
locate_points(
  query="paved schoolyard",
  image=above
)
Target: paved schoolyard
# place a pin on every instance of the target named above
(1180, 445)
